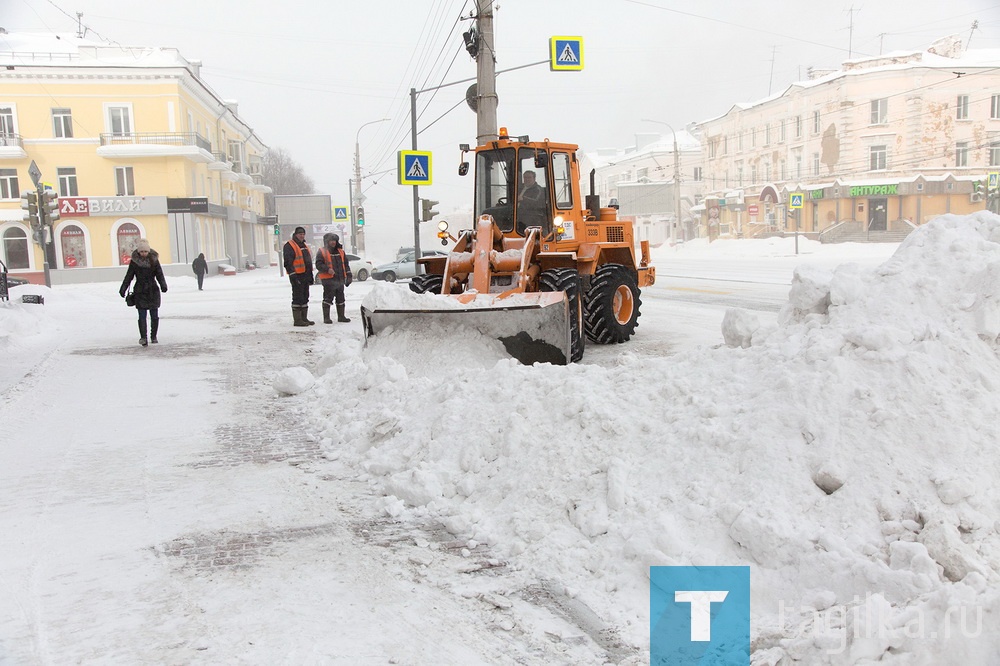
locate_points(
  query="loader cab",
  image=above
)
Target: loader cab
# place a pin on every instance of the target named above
(513, 190)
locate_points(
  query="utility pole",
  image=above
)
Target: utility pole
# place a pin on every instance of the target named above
(358, 233)
(486, 78)
(354, 220)
(677, 191)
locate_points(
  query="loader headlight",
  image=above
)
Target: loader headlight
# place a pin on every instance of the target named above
(557, 224)
(443, 225)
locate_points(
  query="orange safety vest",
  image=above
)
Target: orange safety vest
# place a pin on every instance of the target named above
(299, 264)
(329, 263)
(325, 252)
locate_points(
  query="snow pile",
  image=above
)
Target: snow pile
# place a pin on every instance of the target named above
(849, 456)
(292, 381)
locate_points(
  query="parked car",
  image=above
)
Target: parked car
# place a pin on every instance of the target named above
(402, 268)
(361, 269)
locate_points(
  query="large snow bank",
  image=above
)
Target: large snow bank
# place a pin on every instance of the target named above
(849, 456)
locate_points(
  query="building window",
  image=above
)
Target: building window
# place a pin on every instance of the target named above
(798, 165)
(767, 172)
(784, 174)
(62, 123)
(816, 125)
(767, 134)
(124, 182)
(815, 164)
(782, 130)
(725, 144)
(753, 174)
(7, 120)
(119, 120)
(739, 174)
(962, 154)
(67, 182)
(962, 107)
(798, 126)
(127, 235)
(8, 184)
(74, 246)
(880, 111)
(15, 248)
(711, 148)
(753, 137)
(995, 153)
(642, 173)
(739, 142)
(877, 156)
(697, 174)
(995, 107)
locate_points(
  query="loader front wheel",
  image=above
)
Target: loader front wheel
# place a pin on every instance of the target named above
(612, 305)
(568, 280)
(426, 284)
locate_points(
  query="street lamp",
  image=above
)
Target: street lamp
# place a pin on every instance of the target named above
(358, 235)
(677, 180)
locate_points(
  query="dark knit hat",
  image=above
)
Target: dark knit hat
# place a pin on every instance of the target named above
(329, 237)
(299, 230)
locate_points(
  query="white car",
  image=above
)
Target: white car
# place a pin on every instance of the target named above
(405, 267)
(361, 269)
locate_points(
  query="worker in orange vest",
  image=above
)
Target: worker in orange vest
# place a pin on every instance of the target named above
(334, 271)
(299, 266)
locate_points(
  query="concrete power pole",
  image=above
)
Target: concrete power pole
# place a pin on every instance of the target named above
(358, 200)
(486, 78)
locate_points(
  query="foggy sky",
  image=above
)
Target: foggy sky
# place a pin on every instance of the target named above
(309, 73)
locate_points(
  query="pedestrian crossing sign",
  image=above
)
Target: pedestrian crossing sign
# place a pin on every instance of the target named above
(795, 200)
(414, 167)
(340, 213)
(994, 180)
(565, 54)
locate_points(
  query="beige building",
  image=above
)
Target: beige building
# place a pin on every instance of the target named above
(883, 143)
(136, 144)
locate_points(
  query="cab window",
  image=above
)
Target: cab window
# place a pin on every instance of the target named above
(561, 180)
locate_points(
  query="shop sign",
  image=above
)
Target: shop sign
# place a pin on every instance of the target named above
(753, 210)
(873, 190)
(110, 206)
(187, 205)
(816, 194)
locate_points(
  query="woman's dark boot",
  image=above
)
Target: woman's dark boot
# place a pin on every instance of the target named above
(142, 332)
(154, 324)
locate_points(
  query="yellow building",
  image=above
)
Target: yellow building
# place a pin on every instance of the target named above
(136, 145)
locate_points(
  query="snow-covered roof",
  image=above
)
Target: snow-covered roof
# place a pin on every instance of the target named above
(68, 50)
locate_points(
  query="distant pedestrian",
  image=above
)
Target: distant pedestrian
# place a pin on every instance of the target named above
(145, 268)
(200, 267)
(299, 266)
(334, 271)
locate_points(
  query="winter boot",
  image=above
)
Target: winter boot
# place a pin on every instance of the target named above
(305, 313)
(340, 313)
(326, 314)
(153, 326)
(297, 315)
(142, 332)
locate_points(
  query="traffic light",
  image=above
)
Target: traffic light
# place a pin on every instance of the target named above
(29, 203)
(428, 207)
(361, 216)
(50, 205)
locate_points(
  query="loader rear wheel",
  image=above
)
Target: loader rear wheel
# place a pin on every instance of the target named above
(612, 305)
(426, 284)
(568, 280)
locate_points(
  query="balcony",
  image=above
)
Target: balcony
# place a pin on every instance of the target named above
(11, 146)
(189, 145)
(219, 162)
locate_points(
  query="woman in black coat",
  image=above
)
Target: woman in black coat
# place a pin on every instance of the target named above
(146, 270)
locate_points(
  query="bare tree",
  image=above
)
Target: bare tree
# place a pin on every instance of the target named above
(284, 176)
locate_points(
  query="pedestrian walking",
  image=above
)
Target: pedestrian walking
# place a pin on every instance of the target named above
(334, 271)
(200, 267)
(299, 266)
(144, 267)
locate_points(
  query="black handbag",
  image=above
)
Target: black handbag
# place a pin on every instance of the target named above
(130, 298)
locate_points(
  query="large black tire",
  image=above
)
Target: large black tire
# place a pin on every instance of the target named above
(612, 305)
(426, 284)
(568, 280)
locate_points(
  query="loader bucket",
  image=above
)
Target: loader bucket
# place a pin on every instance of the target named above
(534, 328)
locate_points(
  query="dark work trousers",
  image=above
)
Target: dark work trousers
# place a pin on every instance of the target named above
(300, 288)
(154, 321)
(333, 292)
